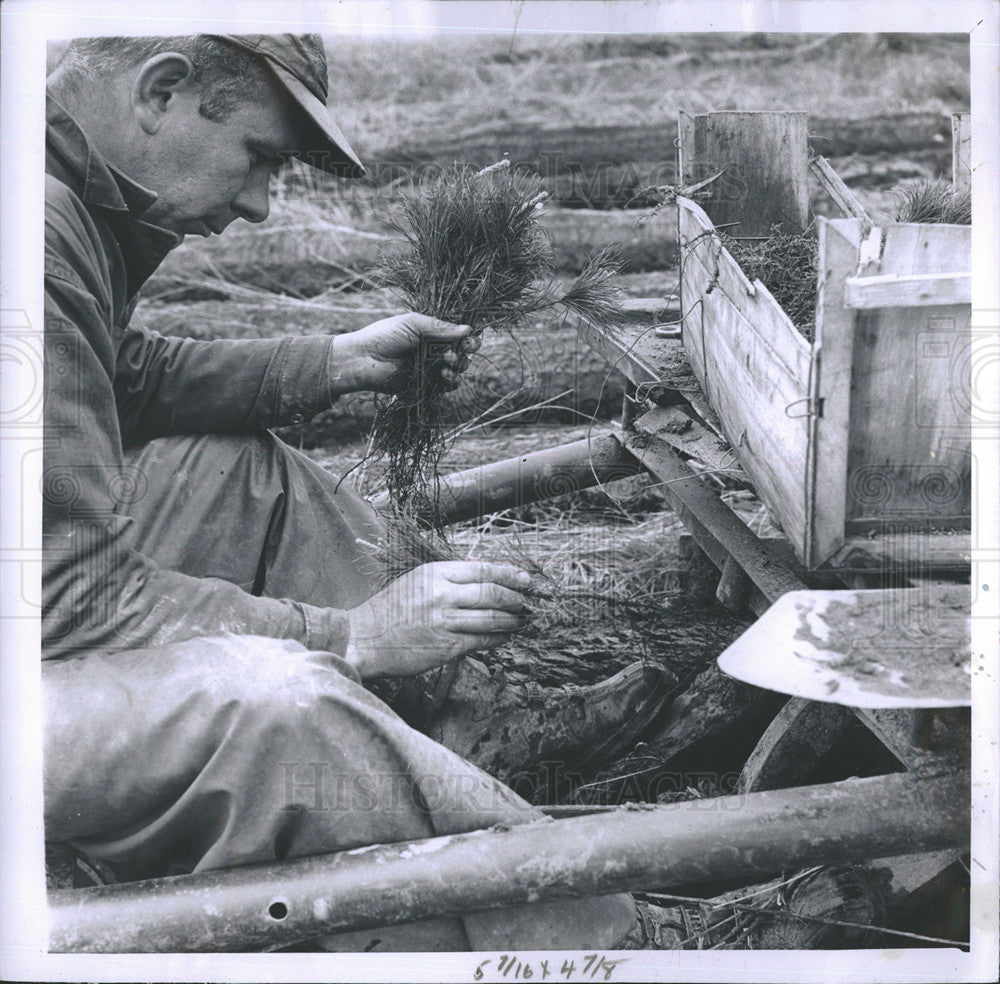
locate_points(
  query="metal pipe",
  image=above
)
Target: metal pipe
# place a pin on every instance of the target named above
(756, 834)
(530, 477)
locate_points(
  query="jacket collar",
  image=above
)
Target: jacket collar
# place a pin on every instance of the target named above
(72, 159)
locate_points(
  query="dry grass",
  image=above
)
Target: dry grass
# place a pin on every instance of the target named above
(455, 82)
(603, 594)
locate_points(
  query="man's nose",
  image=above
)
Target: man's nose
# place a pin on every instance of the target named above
(254, 202)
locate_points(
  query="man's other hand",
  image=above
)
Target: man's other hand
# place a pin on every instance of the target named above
(376, 357)
(433, 615)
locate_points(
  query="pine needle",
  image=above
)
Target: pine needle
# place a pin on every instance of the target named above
(787, 265)
(934, 201)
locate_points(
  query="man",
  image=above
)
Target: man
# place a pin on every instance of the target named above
(208, 625)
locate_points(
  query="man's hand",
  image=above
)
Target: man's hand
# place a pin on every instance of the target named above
(433, 615)
(375, 357)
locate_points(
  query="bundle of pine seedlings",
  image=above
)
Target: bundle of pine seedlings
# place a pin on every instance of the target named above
(934, 201)
(474, 253)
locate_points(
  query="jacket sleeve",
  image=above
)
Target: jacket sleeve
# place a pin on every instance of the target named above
(98, 592)
(169, 386)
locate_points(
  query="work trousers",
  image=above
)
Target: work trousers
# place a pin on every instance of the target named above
(225, 751)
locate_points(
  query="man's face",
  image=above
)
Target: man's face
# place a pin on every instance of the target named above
(207, 173)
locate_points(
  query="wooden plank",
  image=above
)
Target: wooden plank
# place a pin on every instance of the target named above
(734, 588)
(931, 742)
(915, 247)
(791, 748)
(750, 298)
(658, 366)
(870, 253)
(913, 551)
(754, 369)
(695, 502)
(833, 350)
(834, 186)
(766, 155)
(677, 428)
(685, 151)
(641, 356)
(907, 460)
(961, 151)
(917, 290)
(755, 402)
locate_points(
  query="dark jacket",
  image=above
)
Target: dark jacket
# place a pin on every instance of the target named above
(109, 381)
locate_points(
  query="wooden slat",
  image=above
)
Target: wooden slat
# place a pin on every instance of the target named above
(766, 155)
(756, 403)
(961, 151)
(706, 516)
(754, 369)
(842, 195)
(734, 588)
(907, 460)
(788, 752)
(751, 298)
(917, 290)
(919, 552)
(685, 151)
(659, 365)
(839, 242)
(909, 453)
(870, 253)
(676, 427)
(928, 741)
(643, 357)
(916, 248)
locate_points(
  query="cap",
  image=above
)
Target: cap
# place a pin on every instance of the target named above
(298, 63)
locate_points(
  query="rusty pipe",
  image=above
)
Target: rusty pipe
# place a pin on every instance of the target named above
(751, 835)
(512, 482)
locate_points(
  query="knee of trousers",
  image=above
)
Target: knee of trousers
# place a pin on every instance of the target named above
(269, 679)
(275, 699)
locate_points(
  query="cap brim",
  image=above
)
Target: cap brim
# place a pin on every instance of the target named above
(323, 145)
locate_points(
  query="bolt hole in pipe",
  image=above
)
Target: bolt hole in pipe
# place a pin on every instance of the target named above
(277, 910)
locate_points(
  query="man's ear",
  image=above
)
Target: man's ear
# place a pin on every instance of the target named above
(160, 79)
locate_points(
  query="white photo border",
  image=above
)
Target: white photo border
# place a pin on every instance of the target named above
(26, 27)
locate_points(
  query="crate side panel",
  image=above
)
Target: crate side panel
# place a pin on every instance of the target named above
(909, 453)
(752, 300)
(914, 248)
(839, 248)
(750, 388)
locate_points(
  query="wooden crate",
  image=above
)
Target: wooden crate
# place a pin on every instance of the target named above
(858, 442)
